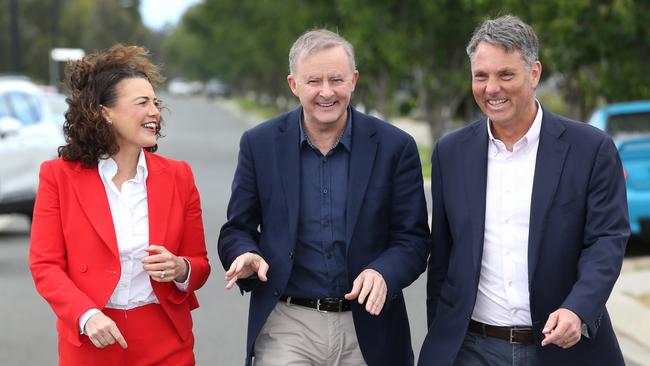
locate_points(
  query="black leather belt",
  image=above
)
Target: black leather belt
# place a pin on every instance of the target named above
(334, 305)
(517, 335)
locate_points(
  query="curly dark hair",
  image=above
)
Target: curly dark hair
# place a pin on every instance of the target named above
(92, 83)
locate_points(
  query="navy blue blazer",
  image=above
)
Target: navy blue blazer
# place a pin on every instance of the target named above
(578, 232)
(386, 223)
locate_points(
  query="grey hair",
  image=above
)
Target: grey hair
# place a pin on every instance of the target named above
(316, 40)
(507, 31)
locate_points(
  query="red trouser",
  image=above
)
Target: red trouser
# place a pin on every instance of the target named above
(149, 334)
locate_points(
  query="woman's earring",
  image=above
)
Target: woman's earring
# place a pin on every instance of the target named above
(109, 121)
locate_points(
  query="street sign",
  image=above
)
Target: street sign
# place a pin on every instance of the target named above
(62, 55)
(66, 54)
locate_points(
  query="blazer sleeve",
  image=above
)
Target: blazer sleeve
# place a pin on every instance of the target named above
(192, 245)
(47, 254)
(240, 234)
(606, 233)
(409, 239)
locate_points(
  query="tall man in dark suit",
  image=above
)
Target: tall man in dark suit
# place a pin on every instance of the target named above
(529, 223)
(327, 223)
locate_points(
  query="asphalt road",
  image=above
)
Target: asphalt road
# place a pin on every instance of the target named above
(206, 135)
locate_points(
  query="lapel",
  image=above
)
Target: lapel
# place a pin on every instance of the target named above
(551, 155)
(160, 190)
(287, 159)
(475, 149)
(90, 191)
(362, 157)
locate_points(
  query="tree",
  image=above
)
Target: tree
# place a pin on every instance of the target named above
(86, 24)
(601, 49)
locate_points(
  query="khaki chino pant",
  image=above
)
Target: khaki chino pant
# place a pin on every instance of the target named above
(295, 335)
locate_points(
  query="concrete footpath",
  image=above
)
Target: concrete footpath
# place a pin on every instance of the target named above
(629, 308)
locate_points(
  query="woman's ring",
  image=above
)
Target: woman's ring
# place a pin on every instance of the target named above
(162, 275)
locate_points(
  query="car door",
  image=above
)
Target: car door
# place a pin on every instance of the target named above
(23, 149)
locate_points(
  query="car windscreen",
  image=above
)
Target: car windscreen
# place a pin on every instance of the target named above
(58, 106)
(626, 126)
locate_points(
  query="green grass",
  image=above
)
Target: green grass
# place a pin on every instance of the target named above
(425, 157)
(252, 106)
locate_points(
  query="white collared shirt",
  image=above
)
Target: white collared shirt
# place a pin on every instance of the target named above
(503, 296)
(130, 214)
(131, 220)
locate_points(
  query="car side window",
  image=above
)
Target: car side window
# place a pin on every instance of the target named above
(5, 111)
(25, 108)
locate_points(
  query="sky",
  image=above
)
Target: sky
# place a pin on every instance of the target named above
(157, 13)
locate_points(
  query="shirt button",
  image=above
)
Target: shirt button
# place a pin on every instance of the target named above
(290, 254)
(276, 293)
(507, 221)
(509, 283)
(325, 191)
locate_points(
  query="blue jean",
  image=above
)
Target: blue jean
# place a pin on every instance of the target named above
(480, 350)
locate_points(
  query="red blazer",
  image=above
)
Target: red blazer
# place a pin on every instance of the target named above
(73, 253)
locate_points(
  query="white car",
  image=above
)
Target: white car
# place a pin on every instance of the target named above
(182, 88)
(29, 135)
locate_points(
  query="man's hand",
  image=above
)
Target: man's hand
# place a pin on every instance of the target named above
(370, 286)
(563, 328)
(103, 332)
(244, 266)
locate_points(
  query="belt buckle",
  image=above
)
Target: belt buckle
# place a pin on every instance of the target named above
(513, 330)
(318, 307)
(512, 336)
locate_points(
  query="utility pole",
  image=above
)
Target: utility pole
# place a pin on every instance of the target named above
(15, 36)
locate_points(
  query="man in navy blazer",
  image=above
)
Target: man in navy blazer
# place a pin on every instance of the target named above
(529, 223)
(327, 223)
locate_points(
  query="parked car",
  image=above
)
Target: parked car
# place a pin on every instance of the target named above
(629, 126)
(182, 88)
(58, 107)
(215, 88)
(29, 134)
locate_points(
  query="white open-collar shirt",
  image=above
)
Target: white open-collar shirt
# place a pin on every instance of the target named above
(130, 213)
(503, 296)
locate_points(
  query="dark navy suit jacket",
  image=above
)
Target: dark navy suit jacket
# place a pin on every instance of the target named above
(386, 223)
(578, 232)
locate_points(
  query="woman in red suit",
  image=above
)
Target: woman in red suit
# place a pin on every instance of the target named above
(117, 244)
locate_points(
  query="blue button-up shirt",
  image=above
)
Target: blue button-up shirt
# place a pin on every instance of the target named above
(319, 268)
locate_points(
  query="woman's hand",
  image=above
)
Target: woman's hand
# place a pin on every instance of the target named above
(103, 331)
(163, 266)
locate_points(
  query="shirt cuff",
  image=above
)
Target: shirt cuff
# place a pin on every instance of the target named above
(84, 318)
(585, 330)
(183, 285)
